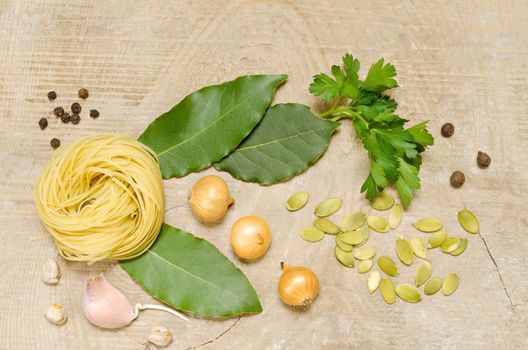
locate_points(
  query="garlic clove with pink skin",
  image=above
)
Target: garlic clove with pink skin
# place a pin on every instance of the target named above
(106, 306)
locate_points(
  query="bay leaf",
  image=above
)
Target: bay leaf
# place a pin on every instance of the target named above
(288, 141)
(209, 124)
(191, 275)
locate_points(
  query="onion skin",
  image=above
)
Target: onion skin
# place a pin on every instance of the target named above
(250, 237)
(298, 285)
(210, 199)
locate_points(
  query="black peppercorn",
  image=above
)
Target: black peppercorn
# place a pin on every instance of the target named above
(83, 93)
(447, 130)
(76, 108)
(43, 123)
(457, 179)
(58, 111)
(52, 95)
(75, 119)
(65, 117)
(94, 113)
(55, 143)
(483, 160)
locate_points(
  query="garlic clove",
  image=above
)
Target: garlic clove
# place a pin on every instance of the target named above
(51, 272)
(56, 315)
(106, 306)
(160, 336)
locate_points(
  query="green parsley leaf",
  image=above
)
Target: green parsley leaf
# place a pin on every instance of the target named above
(407, 182)
(380, 77)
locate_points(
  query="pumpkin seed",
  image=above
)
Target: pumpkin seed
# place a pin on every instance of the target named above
(353, 221)
(395, 216)
(437, 238)
(344, 247)
(418, 247)
(373, 281)
(387, 290)
(422, 273)
(378, 223)
(433, 285)
(365, 231)
(404, 251)
(311, 234)
(383, 201)
(388, 266)
(365, 265)
(468, 221)
(449, 245)
(450, 284)
(408, 293)
(365, 253)
(326, 226)
(351, 237)
(462, 245)
(428, 225)
(297, 201)
(345, 258)
(328, 207)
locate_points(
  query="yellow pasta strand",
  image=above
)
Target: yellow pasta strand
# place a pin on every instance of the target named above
(102, 198)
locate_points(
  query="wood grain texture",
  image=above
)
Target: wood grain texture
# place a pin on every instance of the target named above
(464, 62)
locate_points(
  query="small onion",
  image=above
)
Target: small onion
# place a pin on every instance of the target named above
(210, 199)
(298, 285)
(250, 237)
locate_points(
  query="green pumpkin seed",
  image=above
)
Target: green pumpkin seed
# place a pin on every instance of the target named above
(449, 245)
(312, 234)
(408, 293)
(395, 216)
(387, 290)
(468, 221)
(328, 207)
(365, 231)
(433, 285)
(345, 258)
(364, 266)
(422, 273)
(437, 238)
(404, 251)
(352, 237)
(326, 226)
(365, 253)
(450, 284)
(418, 247)
(388, 266)
(342, 245)
(428, 225)
(383, 201)
(353, 221)
(462, 245)
(297, 201)
(378, 223)
(373, 281)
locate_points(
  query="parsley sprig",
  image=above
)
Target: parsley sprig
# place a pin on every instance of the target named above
(394, 150)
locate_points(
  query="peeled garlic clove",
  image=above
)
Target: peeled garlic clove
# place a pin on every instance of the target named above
(210, 199)
(56, 314)
(106, 306)
(160, 336)
(51, 272)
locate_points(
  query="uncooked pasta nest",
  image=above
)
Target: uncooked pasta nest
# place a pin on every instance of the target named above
(102, 198)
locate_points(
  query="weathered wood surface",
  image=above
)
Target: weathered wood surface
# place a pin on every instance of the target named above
(465, 62)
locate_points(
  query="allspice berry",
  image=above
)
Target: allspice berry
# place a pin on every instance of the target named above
(83, 93)
(483, 160)
(447, 130)
(457, 179)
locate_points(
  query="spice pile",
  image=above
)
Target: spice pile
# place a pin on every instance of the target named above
(64, 116)
(353, 232)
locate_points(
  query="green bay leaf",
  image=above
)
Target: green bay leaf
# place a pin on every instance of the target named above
(287, 142)
(210, 123)
(191, 275)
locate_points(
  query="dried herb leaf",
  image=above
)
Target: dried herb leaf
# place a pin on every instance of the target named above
(408, 293)
(383, 201)
(192, 288)
(297, 201)
(388, 266)
(450, 284)
(433, 285)
(422, 273)
(378, 223)
(311, 234)
(404, 251)
(387, 290)
(345, 258)
(326, 226)
(468, 221)
(428, 225)
(328, 207)
(395, 216)
(353, 221)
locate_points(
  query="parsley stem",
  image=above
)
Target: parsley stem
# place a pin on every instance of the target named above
(346, 112)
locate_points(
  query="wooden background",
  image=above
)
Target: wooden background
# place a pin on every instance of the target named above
(459, 61)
